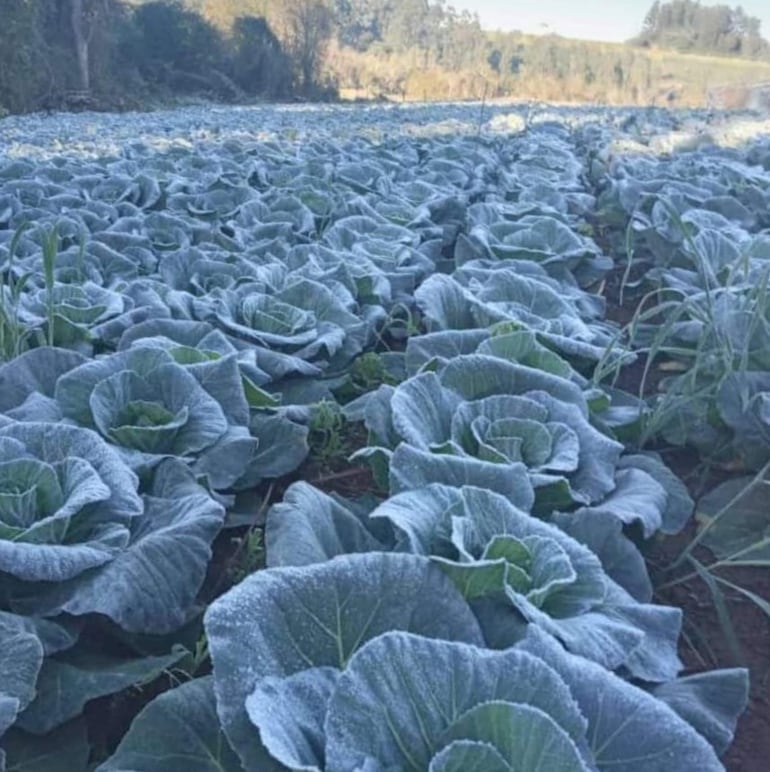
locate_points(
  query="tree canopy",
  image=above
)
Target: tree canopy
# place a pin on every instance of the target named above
(686, 25)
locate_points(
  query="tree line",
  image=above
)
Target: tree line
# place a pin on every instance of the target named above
(115, 54)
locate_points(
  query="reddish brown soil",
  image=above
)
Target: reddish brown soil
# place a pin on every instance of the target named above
(705, 645)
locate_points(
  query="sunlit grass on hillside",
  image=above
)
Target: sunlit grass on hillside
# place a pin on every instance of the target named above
(555, 70)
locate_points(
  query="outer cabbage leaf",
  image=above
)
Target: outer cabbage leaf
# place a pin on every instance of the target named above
(65, 748)
(423, 694)
(711, 702)
(441, 347)
(21, 657)
(410, 468)
(290, 714)
(282, 446)
(178, 729)
(523, 347)
(679, 504)
(34, 371)
(620, 558)
(293, 537)
(69, 680)
(627, 728)
(286, 620)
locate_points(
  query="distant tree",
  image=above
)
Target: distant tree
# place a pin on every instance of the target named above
(651, 20)
(495, 59)
(171, 43)
(24, 75)
(463, 42)
(309, 27)
(358, 23)
(84, 17)
(686, 25)
(93, 25)
(406, 25)
(50, 48)
(618, 75)
(514, 64)
(260, 65)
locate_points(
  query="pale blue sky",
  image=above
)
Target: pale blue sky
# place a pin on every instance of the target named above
(591, 19)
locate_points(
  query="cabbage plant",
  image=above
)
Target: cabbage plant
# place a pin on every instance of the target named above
(546, 240)
(77, 537)
(514, 569)
(73, 310)
(305, 323)
(565, 319)
(376, 662)
(152, 407)
(483, 420)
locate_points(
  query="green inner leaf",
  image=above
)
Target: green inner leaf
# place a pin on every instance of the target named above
(518, 557)
(154, 430)
(29, 491)
(513, 439)
(186, 355)
(551, 569)
(525, 736)
(126, 410)
(266, 314)
(142, 413)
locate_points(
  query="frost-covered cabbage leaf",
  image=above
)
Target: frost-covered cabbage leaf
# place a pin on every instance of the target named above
(520, 346)
(515, 569)
(484, 298)
(176, 730)
(743, 402)
(278, 623)
(21, 657)
(374, 662)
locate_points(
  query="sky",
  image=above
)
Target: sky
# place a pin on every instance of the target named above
(612, 20)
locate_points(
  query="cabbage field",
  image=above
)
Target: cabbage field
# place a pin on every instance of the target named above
(368, 439)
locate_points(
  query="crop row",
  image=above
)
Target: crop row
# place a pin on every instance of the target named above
(173, 319)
